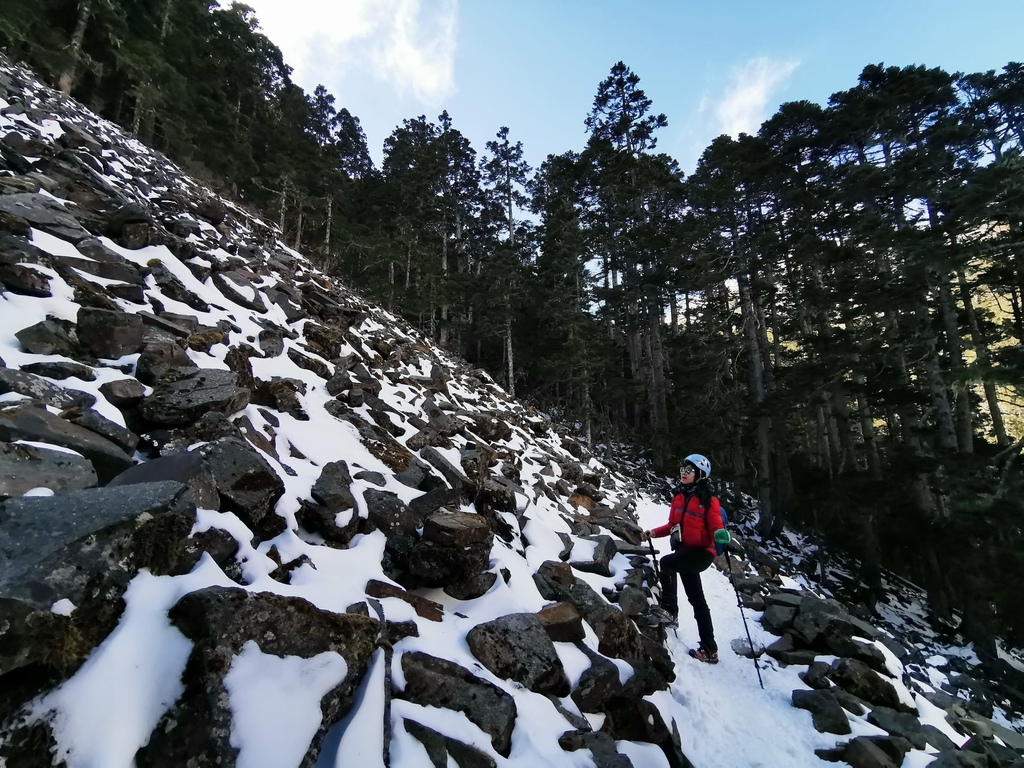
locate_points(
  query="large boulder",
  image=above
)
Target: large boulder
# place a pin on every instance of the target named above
(455, 547)
(187, 467)
(46, 337)
(246, 483)
(186, 394)
(24, 467)
(109, 334)
(24, 422)
(221, 622)
(858, 678)
(516, 647)
(158, 357)
(826, 712)
(434, 682)
(53, 545)
(598, 685)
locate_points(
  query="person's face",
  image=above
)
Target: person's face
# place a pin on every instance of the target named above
(687, 475)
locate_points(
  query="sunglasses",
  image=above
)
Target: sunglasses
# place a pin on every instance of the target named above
(687, 471)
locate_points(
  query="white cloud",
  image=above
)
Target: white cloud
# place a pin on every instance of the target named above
(406, 44)
(744, 106)
(419, 51)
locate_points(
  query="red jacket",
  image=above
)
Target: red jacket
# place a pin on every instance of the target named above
(699, 524)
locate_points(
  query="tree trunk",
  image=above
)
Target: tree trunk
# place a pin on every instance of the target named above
(327, 231)
(443, 338)
(510, 365)
(980, 344)
(165, 22)
(954, 348)
(942, 412)
(66, 81)
(756, 379)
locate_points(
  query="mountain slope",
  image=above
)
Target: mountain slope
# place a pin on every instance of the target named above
(253, 519)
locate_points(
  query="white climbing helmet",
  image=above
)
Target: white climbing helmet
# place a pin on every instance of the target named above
(700, 462)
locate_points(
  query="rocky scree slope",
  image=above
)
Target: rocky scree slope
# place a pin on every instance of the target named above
(196, 398)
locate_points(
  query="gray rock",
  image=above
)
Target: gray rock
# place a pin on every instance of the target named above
(899, 724)
(38, 388)
(434, 500)
(24, 281)
(159, 357)
(455, 477)
(777, 618)
(187, 467)
(858, 678)
(60, 369)
(434, 682)
(601, 746)
(220, 621)
(52, 546)
(827, 715)
(46, 338)
(333, 488)
(108, 334)
(374, 478)
(636, 719)
(604, 551)
(457, 530)
(440, 747)
(633, 601)
(843, 645)
(598, 685)
(24, 422)
(44, 213)
(388, 513)
(24, 467)
(238, 289)
(436, 565)
(246, 483)
(876, 752)
(471, 587)
(123, 393)
(516, 647)
(101, 425)
(189, 393)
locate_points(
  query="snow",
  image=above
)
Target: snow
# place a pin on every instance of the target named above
(106, 711)
(275, 703)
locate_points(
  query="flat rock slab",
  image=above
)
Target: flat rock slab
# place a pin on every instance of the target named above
(190, 393)
(25, 422)
(24, 467)
(51, 545)
(435, 682)
(38, 388)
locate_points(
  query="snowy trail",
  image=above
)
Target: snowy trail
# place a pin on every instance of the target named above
(724, 717)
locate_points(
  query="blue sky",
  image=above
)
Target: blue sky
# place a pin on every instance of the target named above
(534, 65)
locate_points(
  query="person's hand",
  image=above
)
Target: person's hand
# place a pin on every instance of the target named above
(645, 536)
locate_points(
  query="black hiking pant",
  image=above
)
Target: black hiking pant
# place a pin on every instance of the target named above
(688, 563)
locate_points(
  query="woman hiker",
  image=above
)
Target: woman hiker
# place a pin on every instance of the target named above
(698, 516)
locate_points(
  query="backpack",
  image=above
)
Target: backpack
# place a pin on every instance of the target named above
(720, 548)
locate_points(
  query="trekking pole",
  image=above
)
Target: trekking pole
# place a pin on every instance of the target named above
(654, 561)
(657, 576)
(739, 602)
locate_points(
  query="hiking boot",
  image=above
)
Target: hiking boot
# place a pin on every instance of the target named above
(703, 654)
(663, 618)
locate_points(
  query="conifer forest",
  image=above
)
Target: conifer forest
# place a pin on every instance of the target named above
(831, 309)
